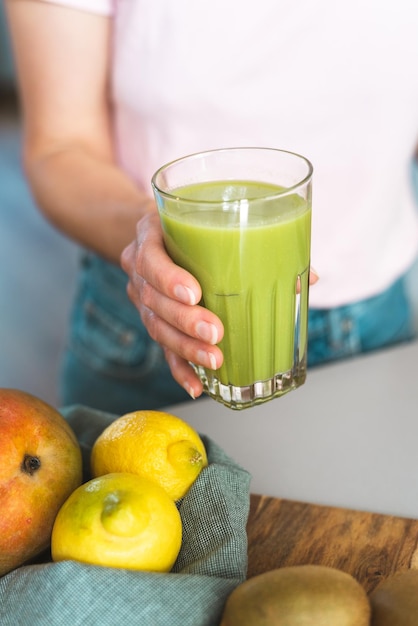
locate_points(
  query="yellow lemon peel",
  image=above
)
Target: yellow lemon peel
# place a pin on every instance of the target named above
(153, 444)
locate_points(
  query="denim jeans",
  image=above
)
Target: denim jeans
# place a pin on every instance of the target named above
(112, 364)
(363, 326)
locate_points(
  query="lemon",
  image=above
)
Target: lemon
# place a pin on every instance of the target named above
(152, 444)
(118, 520)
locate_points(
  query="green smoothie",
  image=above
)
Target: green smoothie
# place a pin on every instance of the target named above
(248, 249)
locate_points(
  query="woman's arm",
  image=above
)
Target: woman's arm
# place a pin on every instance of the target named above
(62, 58)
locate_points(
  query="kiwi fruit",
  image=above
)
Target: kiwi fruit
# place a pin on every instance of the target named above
(394, 602)
(301, 595)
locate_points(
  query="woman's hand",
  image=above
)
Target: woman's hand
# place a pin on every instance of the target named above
(166, 297)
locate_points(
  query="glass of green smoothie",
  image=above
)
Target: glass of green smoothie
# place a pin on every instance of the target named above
(239, 220)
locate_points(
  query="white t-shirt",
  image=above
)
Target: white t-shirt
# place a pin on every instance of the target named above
(336, 82)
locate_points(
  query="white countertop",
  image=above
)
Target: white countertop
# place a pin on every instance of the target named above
(348, 437)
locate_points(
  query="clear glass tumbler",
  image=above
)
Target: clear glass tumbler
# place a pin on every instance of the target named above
(239, 220)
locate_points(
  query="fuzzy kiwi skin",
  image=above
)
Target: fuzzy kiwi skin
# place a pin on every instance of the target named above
(394, 602)
(297, 596)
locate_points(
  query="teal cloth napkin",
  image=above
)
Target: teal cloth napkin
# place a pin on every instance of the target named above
(211, 563)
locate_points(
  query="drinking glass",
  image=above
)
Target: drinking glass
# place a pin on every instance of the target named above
(239, 220)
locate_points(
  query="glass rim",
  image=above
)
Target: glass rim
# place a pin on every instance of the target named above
(196, 155)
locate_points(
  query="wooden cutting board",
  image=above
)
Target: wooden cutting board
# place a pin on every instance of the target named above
(369, 546)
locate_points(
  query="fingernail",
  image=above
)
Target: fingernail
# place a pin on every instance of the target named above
(207, 332)
(185, 294)
(313, 270)
(204, 357)
(189, 390)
